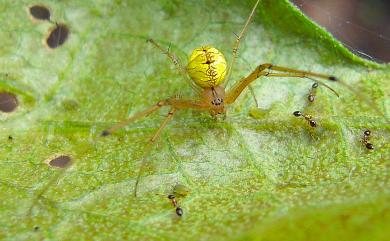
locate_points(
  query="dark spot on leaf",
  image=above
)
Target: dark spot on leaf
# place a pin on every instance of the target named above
(105, 133)
(40, 12)
(10, 138)
(57, 36)
(36, 228)
(61, 161)
(70, 105)
(8, 102)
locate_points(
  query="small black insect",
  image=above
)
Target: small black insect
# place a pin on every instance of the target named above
(366, 138)
(179, 211)
(312, 95)
(308, 118)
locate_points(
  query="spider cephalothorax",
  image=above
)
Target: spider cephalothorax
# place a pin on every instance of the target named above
(215, 96)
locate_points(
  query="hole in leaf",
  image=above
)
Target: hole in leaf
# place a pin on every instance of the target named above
(40, 12)
(57, 36)
(8, 102)
(61, 161)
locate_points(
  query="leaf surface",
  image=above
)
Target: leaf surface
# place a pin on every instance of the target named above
(260, 169)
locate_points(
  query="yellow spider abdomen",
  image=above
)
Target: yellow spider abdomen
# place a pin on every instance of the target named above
(207, 67)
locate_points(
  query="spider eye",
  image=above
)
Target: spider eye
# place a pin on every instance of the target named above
(217, 101)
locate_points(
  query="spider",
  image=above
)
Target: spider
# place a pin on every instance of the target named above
(209, 74)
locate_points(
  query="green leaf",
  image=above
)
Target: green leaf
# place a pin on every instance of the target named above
(260, 169)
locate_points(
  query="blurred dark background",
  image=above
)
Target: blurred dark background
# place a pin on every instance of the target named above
(362, 25)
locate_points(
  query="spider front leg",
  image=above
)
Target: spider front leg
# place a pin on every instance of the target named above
(176, 61)
(170, 55)
(264, 70)
(238, 41)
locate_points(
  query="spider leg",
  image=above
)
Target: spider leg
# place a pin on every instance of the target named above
(237, 42)
(137, 116)
(149, 146)
(175, 60)
(170, 55)
(302, 76)
(174, 102)
(301, 72)
(264, 70)
(253, 95)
